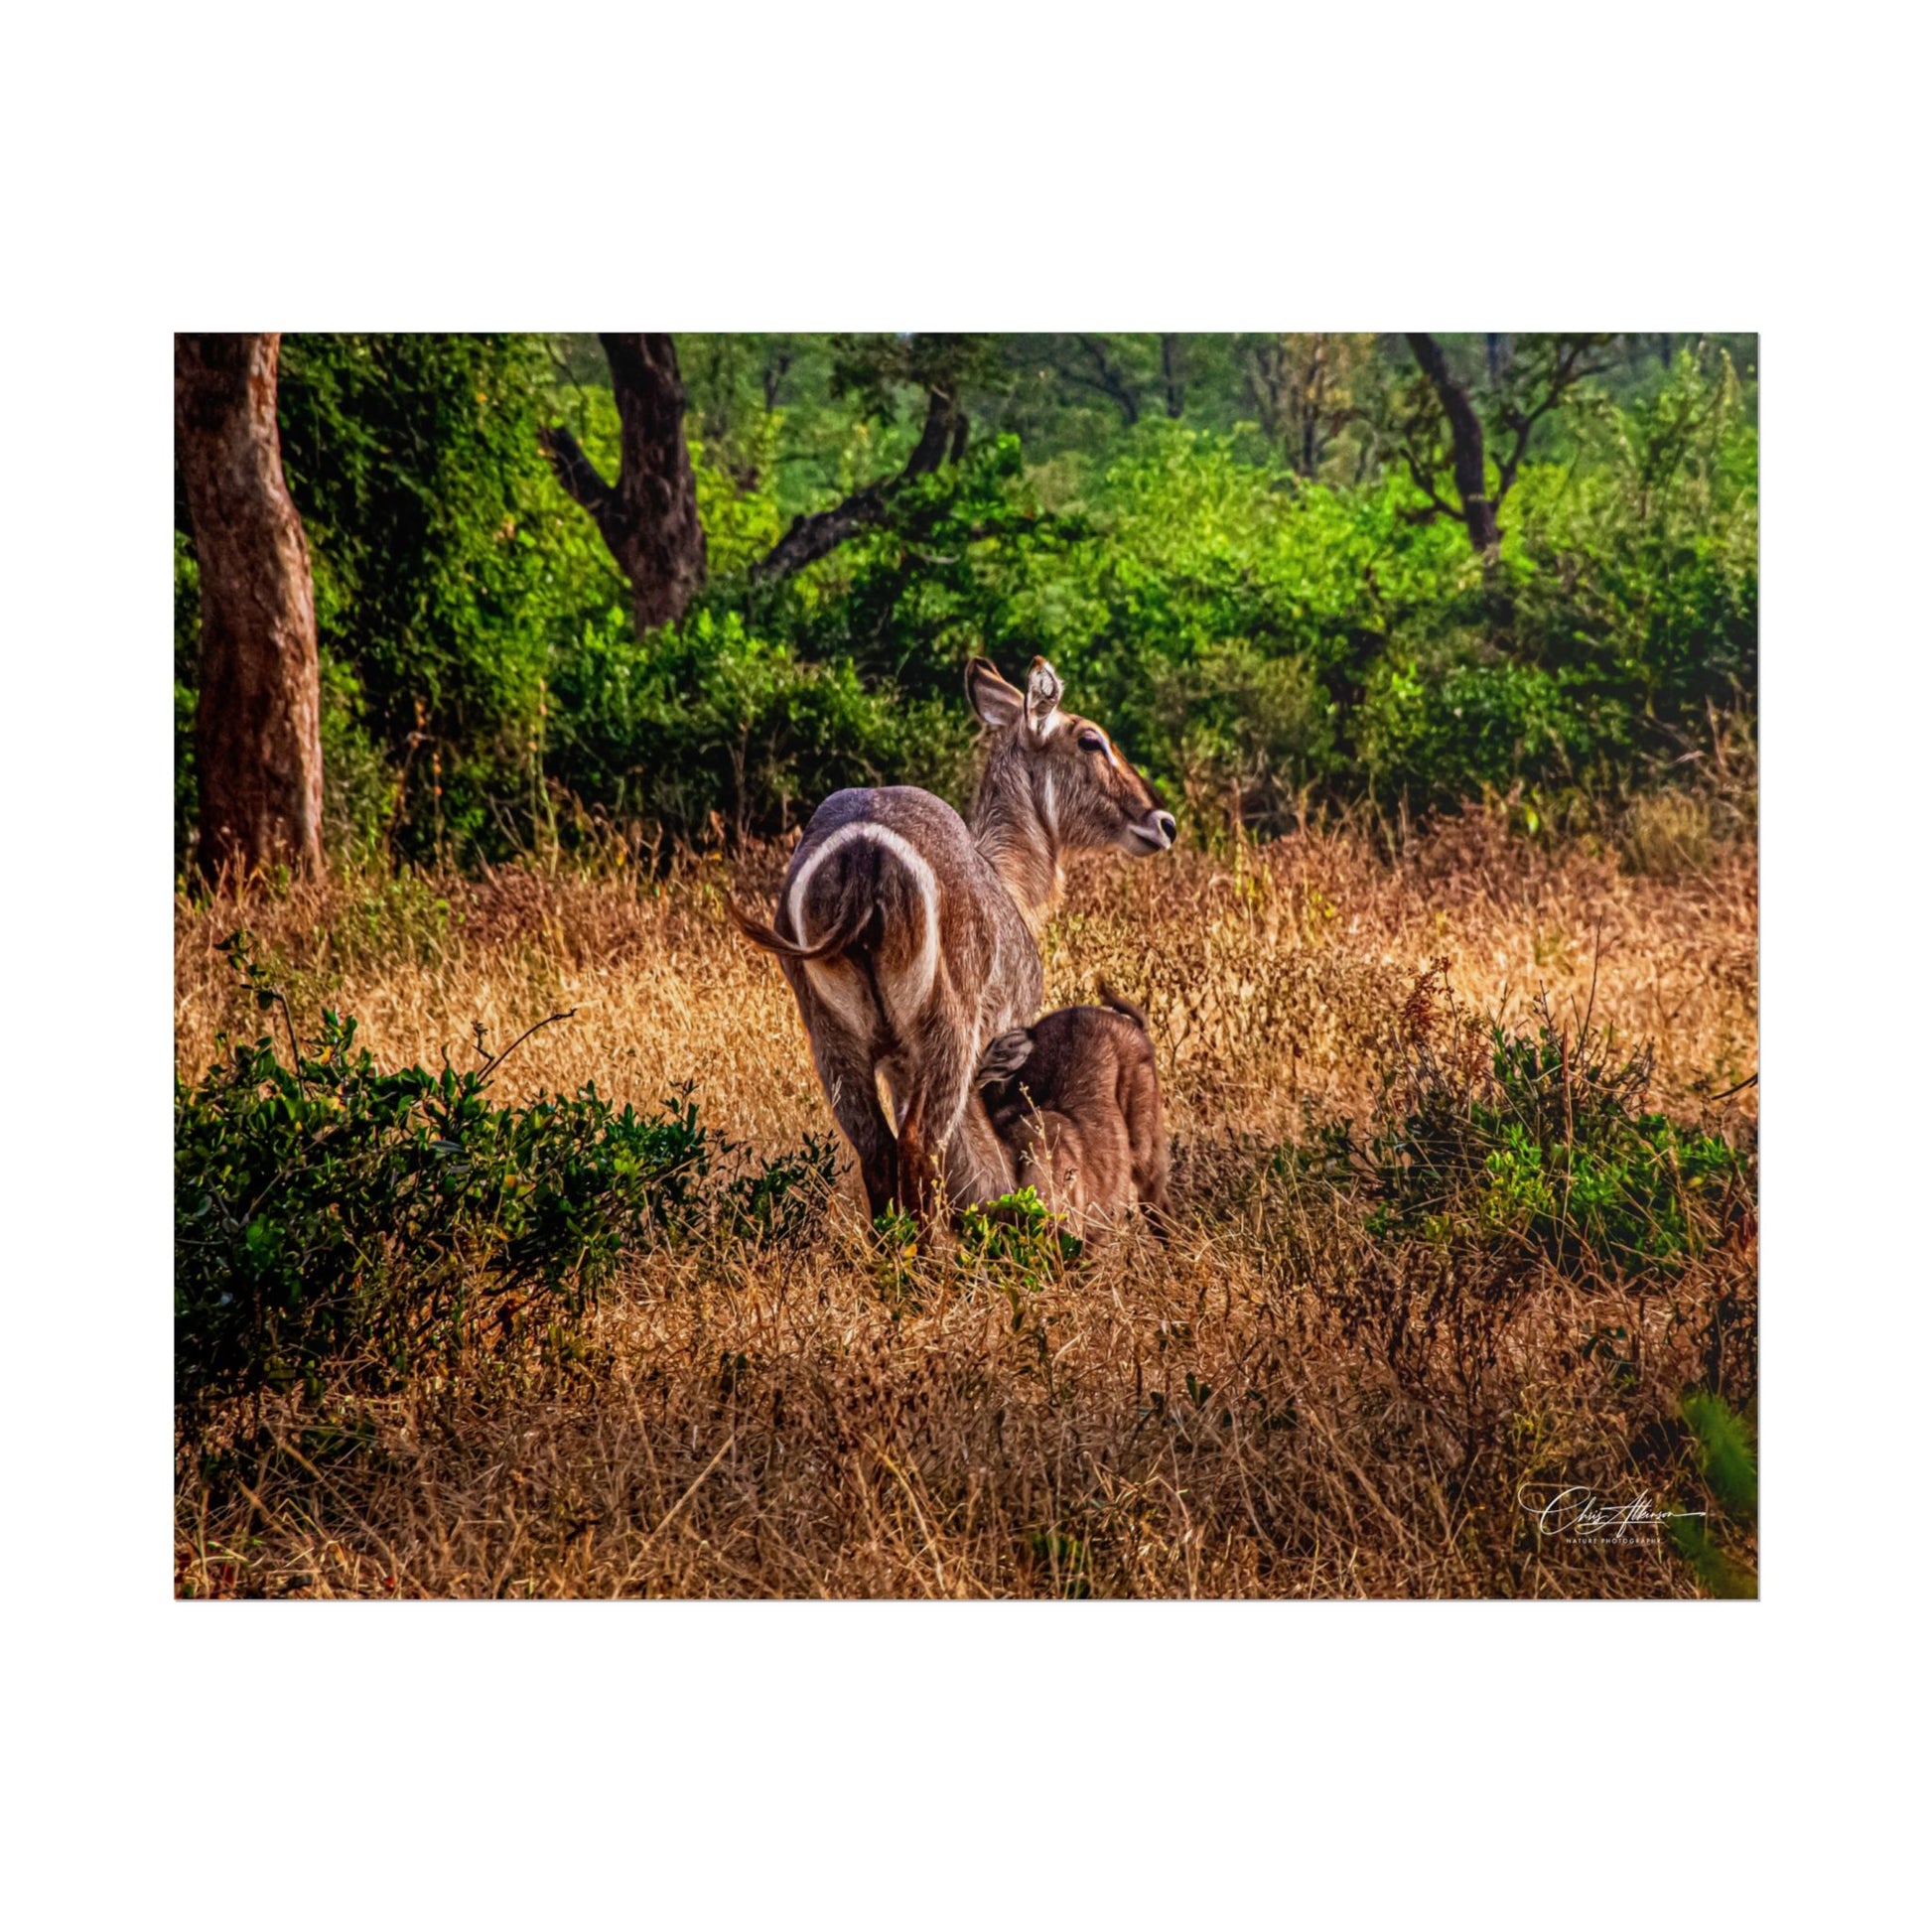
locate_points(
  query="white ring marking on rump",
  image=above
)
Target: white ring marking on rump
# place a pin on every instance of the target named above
(906, 992)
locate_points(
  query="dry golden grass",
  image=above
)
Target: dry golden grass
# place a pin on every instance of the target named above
(1265, 1407)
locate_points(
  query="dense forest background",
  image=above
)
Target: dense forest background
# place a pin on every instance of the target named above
(1296, 574)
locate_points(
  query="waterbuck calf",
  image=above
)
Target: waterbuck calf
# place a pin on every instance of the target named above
(1076, 1103)
(908, 935)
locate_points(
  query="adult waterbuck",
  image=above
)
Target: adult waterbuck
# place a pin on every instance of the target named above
(909, 938)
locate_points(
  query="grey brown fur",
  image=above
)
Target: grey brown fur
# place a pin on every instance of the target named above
(909, 938)
(1076, 1102)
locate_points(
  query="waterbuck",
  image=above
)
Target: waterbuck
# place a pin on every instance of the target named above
(1075, 1101)
(909, 938)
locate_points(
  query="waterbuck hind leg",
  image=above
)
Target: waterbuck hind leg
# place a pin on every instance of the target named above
(932, 1122)
(845, 1071)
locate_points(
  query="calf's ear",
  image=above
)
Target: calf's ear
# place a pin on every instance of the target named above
(1005, 1055)
(999, 705)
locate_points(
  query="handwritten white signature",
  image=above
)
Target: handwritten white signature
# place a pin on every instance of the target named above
(1580, 1512)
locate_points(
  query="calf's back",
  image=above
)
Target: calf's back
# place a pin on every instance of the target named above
(1076, 1101)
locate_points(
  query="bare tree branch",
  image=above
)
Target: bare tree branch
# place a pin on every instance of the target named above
(1108, 378)
(811, 537)
(1569, 370)
(1173, 375)
(1439, 503)
(574, 471)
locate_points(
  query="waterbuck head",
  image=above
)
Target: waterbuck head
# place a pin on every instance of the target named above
(1054, 782)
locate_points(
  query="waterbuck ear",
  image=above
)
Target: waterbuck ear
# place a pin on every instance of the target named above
(1044, 689)
(999, 705)
(1005, 1055)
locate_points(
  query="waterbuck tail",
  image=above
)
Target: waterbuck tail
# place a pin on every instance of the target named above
(1125, 1007)
(843, 932)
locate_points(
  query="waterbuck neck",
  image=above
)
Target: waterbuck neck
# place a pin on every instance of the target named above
(1014, 825)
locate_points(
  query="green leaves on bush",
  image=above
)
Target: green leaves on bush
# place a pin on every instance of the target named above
(1260, 639)
(784, 1200)
(709, 717)
(1017, 1235)
(1727, 1453)
(334, 1221)
(447, 567)
(1727, 1458)
(1538, 1142)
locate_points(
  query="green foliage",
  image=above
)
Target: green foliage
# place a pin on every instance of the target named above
(1256, 730)
(1270, 624)
(1541, 1145)
(1727, 1453)
(1016, 1240)
(1257, 637)
(446, 565)
(708, 717)
(1727, 1458)
(361, 791)
(737, 499)
(896, 1259)
(1719, 1573)
(335, 1223)
(784, 1200)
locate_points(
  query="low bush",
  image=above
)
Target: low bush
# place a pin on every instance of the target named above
(1726, 1458)
(1016, 1240)
(1536, 1142)
(709, 724)
(335, 1223)
(784, 1201)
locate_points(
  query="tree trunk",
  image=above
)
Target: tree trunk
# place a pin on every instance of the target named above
(257, 722)
(1172, 375)
(1465, 436)
(648, 518)
(1108, 378)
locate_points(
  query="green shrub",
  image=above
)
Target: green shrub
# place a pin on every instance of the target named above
(338, 1224)
(783, 1202)
(1536, 1143)
(1435, 733)
(1245, 732)
(333, 1222)
(709, 718)
(447, 567)
(1017, 1235)
(1727, 1460)
(1257, 638)
(1017, 1245)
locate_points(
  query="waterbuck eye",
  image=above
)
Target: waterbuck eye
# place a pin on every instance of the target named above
(1092, 742)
